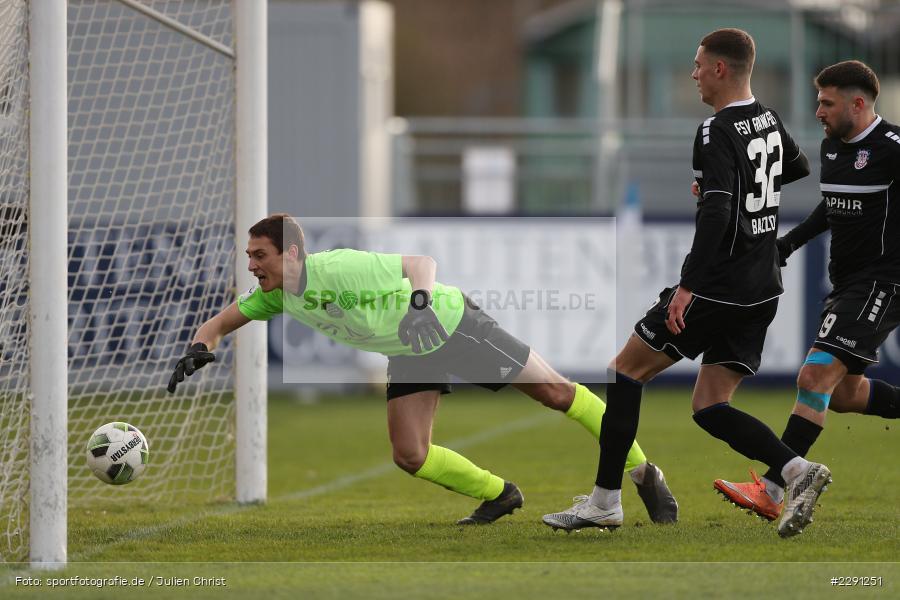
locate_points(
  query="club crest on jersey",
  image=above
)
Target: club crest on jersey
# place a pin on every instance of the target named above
(862, 159)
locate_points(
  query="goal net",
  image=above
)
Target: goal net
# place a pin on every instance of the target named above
(14, 348)
(151, 204)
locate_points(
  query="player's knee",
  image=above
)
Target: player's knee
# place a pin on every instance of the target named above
(814, 389)
(808, 379)
(410, 458)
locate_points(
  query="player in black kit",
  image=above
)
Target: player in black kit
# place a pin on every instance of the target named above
(727, 296)
(860, 167)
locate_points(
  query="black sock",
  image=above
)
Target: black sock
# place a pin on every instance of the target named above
(745, 434)
(884, 399)
(618, 429)
(799, 435)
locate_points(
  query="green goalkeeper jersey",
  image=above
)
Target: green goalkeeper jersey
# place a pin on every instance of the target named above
(355, 298)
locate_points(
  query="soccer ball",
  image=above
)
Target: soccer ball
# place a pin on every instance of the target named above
(117, 453)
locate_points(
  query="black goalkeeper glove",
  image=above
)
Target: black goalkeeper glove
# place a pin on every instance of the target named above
(420, 328)
(784, 249)
(197, 356)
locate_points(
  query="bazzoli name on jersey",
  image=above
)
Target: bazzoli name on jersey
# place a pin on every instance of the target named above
(764, 224)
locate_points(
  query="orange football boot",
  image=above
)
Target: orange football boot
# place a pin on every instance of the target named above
(752, 496)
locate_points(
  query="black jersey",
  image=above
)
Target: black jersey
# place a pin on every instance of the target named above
(859, 181)
(742, 155)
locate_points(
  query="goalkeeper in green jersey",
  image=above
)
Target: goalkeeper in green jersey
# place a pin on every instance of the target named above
(391, 304)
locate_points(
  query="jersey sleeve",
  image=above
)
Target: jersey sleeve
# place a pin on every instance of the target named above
(714, 213)
(385, 269)
(257, 305)
(714, 161)
(790, 149)
(813, 225)
(795, 164)
(894, 135)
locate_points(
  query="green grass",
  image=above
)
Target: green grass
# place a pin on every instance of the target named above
(343, 522)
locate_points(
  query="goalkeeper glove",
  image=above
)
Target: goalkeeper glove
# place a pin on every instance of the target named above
(420, 328)
(197, 356)
(783, 249)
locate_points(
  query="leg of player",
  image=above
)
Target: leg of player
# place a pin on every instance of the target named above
(818, 378)
(853, 394)
(859, 394)
(636, 364)
(745, 434)
(823, 380)
(752, 438)
(409, 427)
(541, 382)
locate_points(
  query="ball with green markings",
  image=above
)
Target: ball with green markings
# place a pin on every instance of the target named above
(117, 453)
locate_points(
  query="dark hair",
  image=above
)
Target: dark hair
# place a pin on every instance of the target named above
(734, 45)
(283, 230)
(847, 75)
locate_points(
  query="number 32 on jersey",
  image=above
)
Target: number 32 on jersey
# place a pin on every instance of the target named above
(764, 193)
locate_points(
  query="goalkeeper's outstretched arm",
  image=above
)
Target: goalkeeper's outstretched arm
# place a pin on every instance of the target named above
(205, 340)
(212, 332)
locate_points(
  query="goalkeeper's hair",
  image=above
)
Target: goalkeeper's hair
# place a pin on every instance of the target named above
(283, 230)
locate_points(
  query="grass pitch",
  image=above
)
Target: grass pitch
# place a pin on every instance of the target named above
(342, 521)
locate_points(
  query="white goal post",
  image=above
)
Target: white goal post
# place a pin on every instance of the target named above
(47, 254)
(132, 163)
(252, 191)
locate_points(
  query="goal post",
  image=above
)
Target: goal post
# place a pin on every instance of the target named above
(47, 276)
(132, 163)
(252, 190)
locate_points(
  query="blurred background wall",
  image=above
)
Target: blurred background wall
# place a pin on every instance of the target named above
(542, 108)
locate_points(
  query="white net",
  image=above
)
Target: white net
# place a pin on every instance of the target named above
(14, 408)
(151, 249)
(150, 246)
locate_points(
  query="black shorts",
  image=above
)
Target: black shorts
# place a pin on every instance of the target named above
(856, 321)
(479, 351)
(726, 334)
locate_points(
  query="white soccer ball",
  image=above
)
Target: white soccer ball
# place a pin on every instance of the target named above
(118, 453)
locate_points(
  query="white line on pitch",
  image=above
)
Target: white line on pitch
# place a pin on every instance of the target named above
(336, 484)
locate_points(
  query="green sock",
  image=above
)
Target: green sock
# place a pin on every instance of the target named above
(588, 410)
(457, 473)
